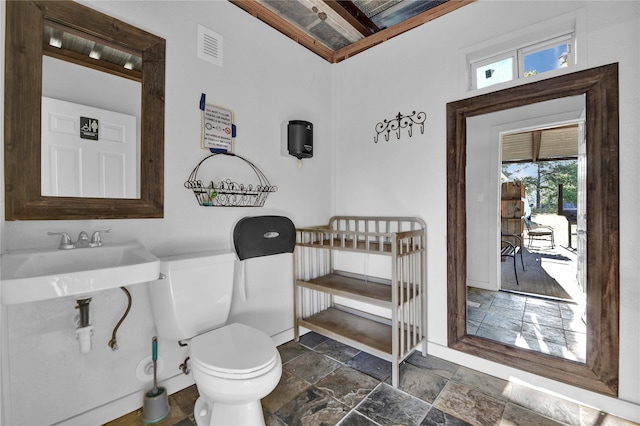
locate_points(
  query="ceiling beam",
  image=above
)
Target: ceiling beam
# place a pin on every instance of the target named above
(353, 16)
(535, 149)
(327, 14)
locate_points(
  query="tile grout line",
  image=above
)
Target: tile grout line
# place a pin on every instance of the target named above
(355, 409)
(382, 383)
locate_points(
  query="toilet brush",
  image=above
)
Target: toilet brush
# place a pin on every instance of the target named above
(156, 401)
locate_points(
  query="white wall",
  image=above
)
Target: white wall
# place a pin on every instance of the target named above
(266, 79)
(422, 70)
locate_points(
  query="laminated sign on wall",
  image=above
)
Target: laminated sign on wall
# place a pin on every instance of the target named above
(218, 129)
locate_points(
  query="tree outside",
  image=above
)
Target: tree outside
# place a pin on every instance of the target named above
(542, 179)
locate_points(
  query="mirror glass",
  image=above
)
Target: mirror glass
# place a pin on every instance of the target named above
(90, 117)
(94, 87)
(483, 133)
(90, 132)
(523, 284)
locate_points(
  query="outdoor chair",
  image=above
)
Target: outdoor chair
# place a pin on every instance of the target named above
(509, 249)
(539, 232)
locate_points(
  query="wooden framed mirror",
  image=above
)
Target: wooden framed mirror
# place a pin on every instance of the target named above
(599, 373)
(25, 27)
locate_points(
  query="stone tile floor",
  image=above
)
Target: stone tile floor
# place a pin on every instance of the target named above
(327, 383)
(548, 326)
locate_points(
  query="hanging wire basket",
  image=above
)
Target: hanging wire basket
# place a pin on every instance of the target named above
(227, 193)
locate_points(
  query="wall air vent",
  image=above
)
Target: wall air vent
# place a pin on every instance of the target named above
(209, 45)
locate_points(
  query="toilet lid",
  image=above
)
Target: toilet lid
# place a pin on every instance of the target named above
(234, 348)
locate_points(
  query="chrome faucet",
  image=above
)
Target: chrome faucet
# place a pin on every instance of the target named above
(96, 241)
(83, 240)
(65, 243)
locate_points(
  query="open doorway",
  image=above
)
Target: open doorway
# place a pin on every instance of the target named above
(542, 292)
(541, 181)
(540, 304)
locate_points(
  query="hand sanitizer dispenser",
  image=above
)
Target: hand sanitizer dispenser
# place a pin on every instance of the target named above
(300, 139)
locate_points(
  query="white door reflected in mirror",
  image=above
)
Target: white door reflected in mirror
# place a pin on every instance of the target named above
(88, 152)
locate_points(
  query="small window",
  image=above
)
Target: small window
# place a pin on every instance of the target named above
(524, 61)
(544, 57)
(495, 72)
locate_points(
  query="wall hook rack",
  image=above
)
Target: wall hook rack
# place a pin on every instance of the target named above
(400, 122)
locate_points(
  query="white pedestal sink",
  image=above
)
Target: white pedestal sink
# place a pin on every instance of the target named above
(33, 275)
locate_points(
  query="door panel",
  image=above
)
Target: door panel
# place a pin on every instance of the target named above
(73, 166)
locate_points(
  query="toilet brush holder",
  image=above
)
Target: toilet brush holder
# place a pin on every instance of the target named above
(156, 402)
(156, 406)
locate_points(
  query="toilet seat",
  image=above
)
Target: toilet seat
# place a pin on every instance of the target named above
(235, 351)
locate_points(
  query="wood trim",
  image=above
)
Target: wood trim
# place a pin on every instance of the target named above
(96, 24)
(23, 99)
(84, 35)
(276, 21)
(86, 61)
(600, 371)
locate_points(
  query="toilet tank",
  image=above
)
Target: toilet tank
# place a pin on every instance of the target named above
(193, 294)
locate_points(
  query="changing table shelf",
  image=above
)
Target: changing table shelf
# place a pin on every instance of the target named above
(361, 333)
(361, 289)
(352, 308)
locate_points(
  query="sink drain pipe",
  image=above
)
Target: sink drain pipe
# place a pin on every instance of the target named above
(84, 330)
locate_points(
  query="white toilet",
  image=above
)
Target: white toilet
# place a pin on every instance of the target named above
(234, 366)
